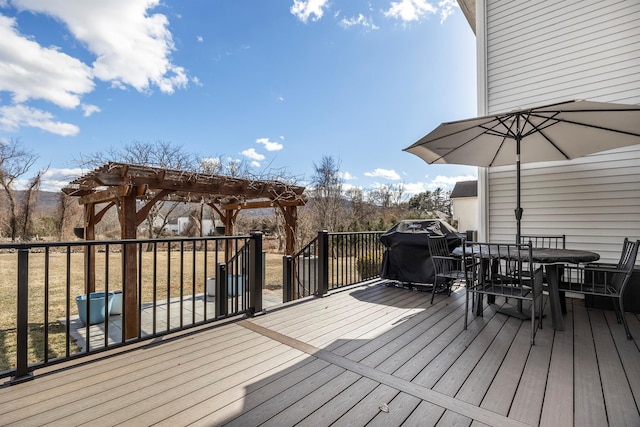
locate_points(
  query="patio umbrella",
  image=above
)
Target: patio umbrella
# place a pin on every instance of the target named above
(559, 131)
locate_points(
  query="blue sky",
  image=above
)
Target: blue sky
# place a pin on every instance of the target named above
(277, 83)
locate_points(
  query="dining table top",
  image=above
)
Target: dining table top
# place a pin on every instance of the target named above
(553, 255)
(557, 255)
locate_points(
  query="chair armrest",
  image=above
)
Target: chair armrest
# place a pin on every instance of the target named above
(604, 280)
(574, 271)
(600, 265)
(450, 258)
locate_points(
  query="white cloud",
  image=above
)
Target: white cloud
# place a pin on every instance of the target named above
(360, 20)
(383, 173)
(303, 10)
(347, 176)
(199, 39)
(132, 47)
(12, 117)
(56, 179)
(448, 182)
(409, 10)
(89, 109)
(445, 182)
(255, 164)
(30, 71)
(269, 145)
(413, 188)
(252, 154)
(447, 7)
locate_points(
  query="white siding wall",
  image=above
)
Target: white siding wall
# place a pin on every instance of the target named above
(540, 52)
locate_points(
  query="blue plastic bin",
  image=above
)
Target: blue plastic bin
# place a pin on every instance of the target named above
(231, 285)
(234, 280)
(96, 307)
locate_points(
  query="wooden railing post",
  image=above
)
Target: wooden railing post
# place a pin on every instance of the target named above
(22, 333)
(323, 262)
(256, 273)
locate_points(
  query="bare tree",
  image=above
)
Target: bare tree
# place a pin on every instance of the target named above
(160, 154)
(360, 210)
(68, 211)
(15, 163)
(220, 165)
(328, 201)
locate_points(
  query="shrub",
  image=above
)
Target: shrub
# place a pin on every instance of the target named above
(369, 265)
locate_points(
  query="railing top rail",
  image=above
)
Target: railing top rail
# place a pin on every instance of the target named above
(28, 245)
(351, 233)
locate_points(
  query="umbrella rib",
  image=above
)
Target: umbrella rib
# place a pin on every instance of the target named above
(573, 122)
(540, 130)
(509, 133)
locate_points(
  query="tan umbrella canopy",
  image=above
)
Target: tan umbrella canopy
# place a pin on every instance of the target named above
(561, 131)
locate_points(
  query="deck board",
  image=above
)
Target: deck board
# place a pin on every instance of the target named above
(527, 403)
(558, 401)
(340, 404)
(589, 401)
(397, 411)
(414, 328)
(367, 408)
(367, 355)
(615, 386)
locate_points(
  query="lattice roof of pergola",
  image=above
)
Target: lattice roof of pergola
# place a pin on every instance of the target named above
(114, 180)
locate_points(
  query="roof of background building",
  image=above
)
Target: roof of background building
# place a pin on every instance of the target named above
(465, 189)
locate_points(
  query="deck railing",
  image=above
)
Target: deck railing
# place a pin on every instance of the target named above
(330, 261)
(180, 283)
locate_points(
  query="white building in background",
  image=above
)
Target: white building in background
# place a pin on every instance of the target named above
(532, 53)
(464, 205)
(210, 227)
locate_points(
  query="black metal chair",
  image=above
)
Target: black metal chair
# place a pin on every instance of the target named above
(605, 280)
(558, 241)
(501, 269)
(544, 241)
(447, 268)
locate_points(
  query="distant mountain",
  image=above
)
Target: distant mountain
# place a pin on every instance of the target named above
(47, 201)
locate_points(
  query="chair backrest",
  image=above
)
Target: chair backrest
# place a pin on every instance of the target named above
(501, 264)
(440, 254)
(625, 265)
(438, 246)
(544, 240)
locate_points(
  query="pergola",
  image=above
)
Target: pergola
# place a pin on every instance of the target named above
(135, 189)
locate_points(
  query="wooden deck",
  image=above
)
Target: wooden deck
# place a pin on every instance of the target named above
(370, 355)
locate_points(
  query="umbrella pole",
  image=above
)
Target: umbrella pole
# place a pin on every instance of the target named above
(518, 210)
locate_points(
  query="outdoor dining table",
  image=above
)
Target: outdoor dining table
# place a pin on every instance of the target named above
(552, 259)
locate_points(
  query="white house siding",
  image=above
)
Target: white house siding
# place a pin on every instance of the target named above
(540, 52)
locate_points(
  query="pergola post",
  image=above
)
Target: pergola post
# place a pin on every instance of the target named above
(90, 250)
(128, 227)
(291, 222)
